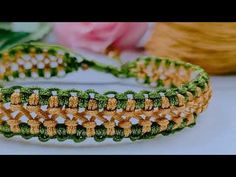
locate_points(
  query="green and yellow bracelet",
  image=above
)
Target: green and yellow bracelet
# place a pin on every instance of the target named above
(180, 92)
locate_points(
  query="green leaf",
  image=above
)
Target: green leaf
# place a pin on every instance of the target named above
(9, 37)
(5, 25)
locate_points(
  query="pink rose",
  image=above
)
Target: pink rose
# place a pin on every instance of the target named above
(98, 36)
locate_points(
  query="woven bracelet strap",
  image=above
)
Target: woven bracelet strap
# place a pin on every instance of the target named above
(180, 91)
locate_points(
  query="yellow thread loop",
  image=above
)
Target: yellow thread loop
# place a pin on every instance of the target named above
(51, 127)
(178, 121)
(33, 100)
(14, 125)
(34, 126)
(111, 104)
(163, 124)
(126, 125)
(190, 119)
(73, 102)
(146, 124)
(181, 99)
(92, 105)
(53, 102)
(90, 128)
(110, 126)
(130, 105)
(71, 126)
(148, 104)
(165, 102)
(15, 98)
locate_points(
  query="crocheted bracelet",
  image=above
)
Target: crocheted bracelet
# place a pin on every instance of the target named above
(180, 92)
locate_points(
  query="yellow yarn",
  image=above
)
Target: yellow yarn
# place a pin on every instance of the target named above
(210, 45)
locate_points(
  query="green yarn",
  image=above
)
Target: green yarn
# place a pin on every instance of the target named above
(53, 72)
(15, 74)
(119, 134)
(70, 63)
(6, 94)
(167, 63)
(25, 94)
(169, 128)
(100, 133)
(61, 132)
(82, 94)
(5, 128)
(44, 95)
(121, 100)
(125, 70)
(12, 53)
(155, 96)
(68, 70)
(183, 124)
(26, 48)
(129, 92)
(25, 130)
(146, 60)
(102, 100)
(52, 52)
(155, 128)
(139, 98)
(110, 92)
(200, 82)
(157, 61)
(183, 91)
(160, 83)
(41, 72)
(136, 132)
(192, 88)
(177, 65)
(5, 78)
(80, 134)
(172, 96)
(42, 136)
(84, 97)
(38, 50)
(192, 124)
(28, 73)
(8, 135)
(63, 97)
(147, 80)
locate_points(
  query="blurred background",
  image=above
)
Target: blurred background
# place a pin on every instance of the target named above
(210, 45)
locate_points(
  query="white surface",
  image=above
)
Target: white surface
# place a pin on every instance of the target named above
(214, 133)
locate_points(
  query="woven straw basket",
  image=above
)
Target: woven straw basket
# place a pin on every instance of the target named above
(210, 45)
